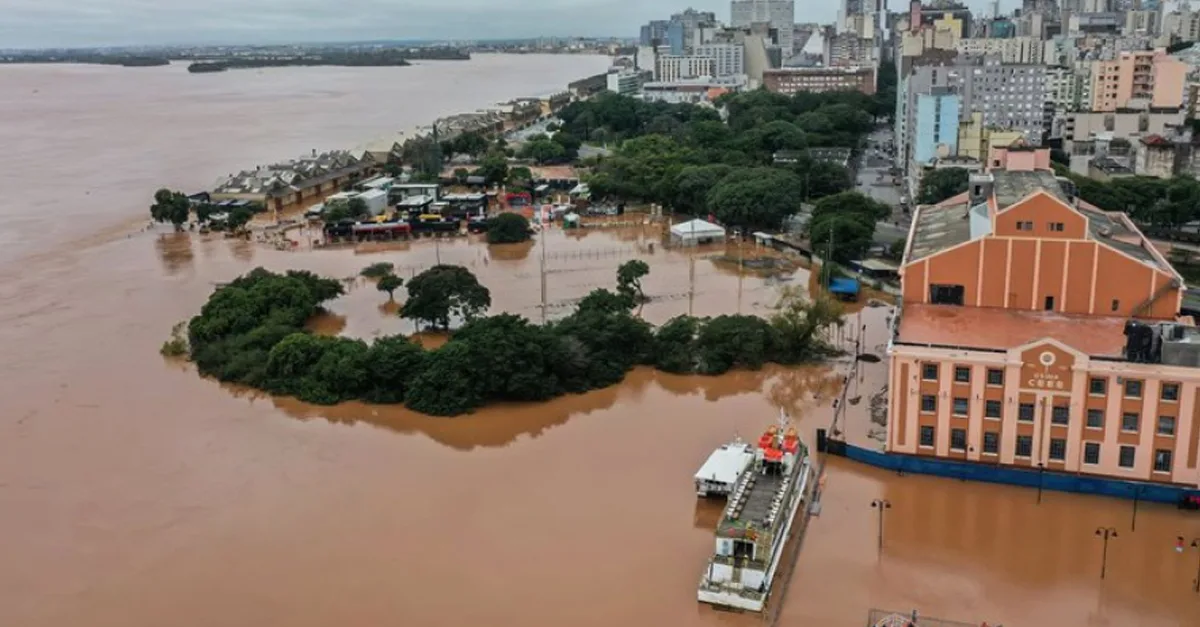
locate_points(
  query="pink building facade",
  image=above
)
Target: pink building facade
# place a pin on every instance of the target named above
(1038, 331)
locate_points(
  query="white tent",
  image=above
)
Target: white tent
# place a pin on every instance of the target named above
(694, 232)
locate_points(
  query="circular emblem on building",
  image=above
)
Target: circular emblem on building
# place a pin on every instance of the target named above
(1047, 359)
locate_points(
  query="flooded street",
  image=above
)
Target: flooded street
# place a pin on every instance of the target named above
(134, 493)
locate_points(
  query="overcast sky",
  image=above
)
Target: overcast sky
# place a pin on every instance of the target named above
(55, 23)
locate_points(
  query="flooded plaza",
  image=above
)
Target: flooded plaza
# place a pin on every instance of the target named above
(135, 493)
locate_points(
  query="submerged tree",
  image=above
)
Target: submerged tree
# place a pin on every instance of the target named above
(444, 291)
(508, 228)
(629, 280)
(170, 207)
(389, 283)
(378, 270)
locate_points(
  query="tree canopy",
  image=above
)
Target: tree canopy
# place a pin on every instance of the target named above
(444, 292)
(1163, 204)
(507, 228)
(252, 332)
(756, 198)
(389, 283)
(941, 184)
(170, 206)
(684, 157)
(845, 223)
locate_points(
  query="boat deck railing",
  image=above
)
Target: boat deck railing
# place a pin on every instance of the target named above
(889, 618)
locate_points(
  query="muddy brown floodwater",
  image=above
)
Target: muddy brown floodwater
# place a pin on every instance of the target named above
(135, 493)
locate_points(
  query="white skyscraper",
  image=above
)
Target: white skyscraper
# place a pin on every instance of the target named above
(780, 14)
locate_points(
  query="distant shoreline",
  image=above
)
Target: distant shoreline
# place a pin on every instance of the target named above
(206, 64)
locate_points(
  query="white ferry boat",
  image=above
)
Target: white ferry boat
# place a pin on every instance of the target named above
(757, 521)
(724, 467)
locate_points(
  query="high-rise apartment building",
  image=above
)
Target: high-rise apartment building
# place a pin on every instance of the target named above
(683, 29)
(1030, 50)
(1135, 77)
(793, 80)
(1010, 97)
(675, 67)
(780, 14)
(730, 58)
(654, 33)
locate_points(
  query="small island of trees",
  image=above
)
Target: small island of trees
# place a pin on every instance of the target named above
(252, 332)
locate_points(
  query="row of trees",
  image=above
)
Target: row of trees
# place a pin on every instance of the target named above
(251, 332)
(1165, 203)
(175, 208)
(687, 158)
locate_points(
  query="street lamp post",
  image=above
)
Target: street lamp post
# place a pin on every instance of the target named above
(1105, 533)
(881, 504)
(1195, 545)
(1041, 474)
(1137, 497)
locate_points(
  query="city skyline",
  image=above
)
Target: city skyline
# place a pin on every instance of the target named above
(88, 23)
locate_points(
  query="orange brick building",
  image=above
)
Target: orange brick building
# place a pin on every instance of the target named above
(1036, 330)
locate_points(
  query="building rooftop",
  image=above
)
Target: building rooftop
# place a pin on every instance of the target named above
(1010, 187)
(999, 329)
(950, 222)
(939, 227)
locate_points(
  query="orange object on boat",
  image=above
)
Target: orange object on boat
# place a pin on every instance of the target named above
(766, 441)
(773, 454)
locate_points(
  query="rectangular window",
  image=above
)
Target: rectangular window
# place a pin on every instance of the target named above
(1170, 392)
(1129, 421)
(1096, 386)
(995, 376)
(1162, 460)
(929, 372)
(926, 436)
(1095, 418)
(928, 403)
(991, 442)
(962, 374)
(958, 439)
(1049, 303)
(947, 294)
(1128, 454)
(1058, 449)
(960, 406)
(1060, 415)
(1166, 425)
(1091, 453)
(1133, 388)
(1024, 445)
(1056, 227)
(991, 409)
(1025, 412)
(1116, 304)
(1024, 226)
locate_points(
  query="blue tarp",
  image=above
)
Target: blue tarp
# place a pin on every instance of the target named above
(847, 287)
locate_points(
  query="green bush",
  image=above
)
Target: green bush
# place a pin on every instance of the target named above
(508, 228)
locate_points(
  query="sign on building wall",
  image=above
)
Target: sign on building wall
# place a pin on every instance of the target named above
(1047, 368)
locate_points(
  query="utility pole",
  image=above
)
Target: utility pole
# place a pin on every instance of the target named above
(692, 271)
(543, 243)
(741, 270)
